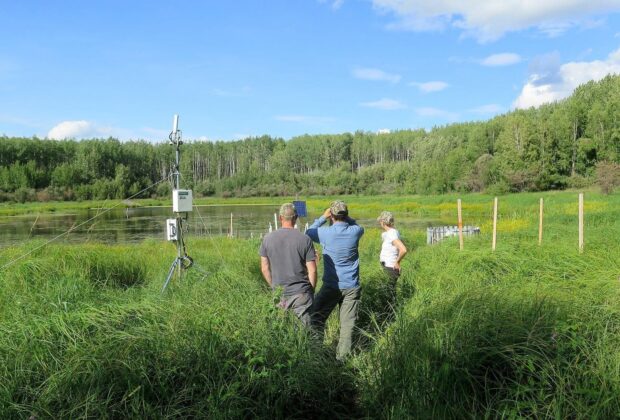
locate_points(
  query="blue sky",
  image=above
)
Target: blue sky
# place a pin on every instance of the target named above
(232, 69)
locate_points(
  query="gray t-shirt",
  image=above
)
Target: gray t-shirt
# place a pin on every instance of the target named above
(288, 251)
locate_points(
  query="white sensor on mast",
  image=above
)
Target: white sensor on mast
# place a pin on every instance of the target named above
(175, 134)
(175, 123)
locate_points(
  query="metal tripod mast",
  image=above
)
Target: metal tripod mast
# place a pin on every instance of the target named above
(182, 261)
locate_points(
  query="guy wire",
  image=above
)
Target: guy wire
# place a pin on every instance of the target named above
(81, 224)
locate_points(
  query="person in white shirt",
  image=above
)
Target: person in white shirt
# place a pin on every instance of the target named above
(392, 249)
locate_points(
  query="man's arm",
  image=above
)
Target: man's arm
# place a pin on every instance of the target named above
(402, 250)
(311, 266)
(264, 268)
(353, 223)
(313, 229)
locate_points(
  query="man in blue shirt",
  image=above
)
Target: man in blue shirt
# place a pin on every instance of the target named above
(341, 283)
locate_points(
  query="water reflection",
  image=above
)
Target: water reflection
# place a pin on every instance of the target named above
(130, 225)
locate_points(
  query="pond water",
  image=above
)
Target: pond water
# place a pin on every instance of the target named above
(130, 225)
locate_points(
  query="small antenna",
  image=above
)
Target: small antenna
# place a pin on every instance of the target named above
(175, 140)
(175, 135)
(175, 123)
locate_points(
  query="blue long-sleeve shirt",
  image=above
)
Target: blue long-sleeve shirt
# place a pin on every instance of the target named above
(341, 259)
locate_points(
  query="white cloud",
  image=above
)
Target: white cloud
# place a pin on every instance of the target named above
(503, 59)
(427, 87)
(487, 109)
(72, 130)
(437, 113)
(490, 19)
(376, 75)
(82, 129)
(385, 104)
(547, 84)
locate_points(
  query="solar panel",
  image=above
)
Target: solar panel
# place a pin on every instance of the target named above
(300, 206)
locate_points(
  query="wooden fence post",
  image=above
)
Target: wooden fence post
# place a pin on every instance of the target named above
(231, 226)
(460, 226)
(494, 224)
(540, 222)
(275, 220)
(580, 223)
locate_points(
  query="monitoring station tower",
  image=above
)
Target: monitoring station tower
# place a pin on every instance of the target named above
(181, 206)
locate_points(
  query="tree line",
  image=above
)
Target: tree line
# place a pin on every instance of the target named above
(571, 143)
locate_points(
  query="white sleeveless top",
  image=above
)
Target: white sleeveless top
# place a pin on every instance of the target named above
(389, 253)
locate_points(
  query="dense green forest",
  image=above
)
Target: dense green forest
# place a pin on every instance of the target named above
(571, 143)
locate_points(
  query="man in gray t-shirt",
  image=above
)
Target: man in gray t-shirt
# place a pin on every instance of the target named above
(288, 261)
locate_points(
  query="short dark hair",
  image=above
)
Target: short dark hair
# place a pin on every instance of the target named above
(339, 217)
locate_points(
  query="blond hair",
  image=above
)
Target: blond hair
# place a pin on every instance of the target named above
(386, 217)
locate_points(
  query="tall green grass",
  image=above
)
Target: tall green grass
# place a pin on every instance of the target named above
(87, 333)
(525, 331)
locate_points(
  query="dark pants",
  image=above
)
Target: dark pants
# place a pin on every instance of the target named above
(348, 300)
(301, 305)
(390, 285)
(392, 273)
